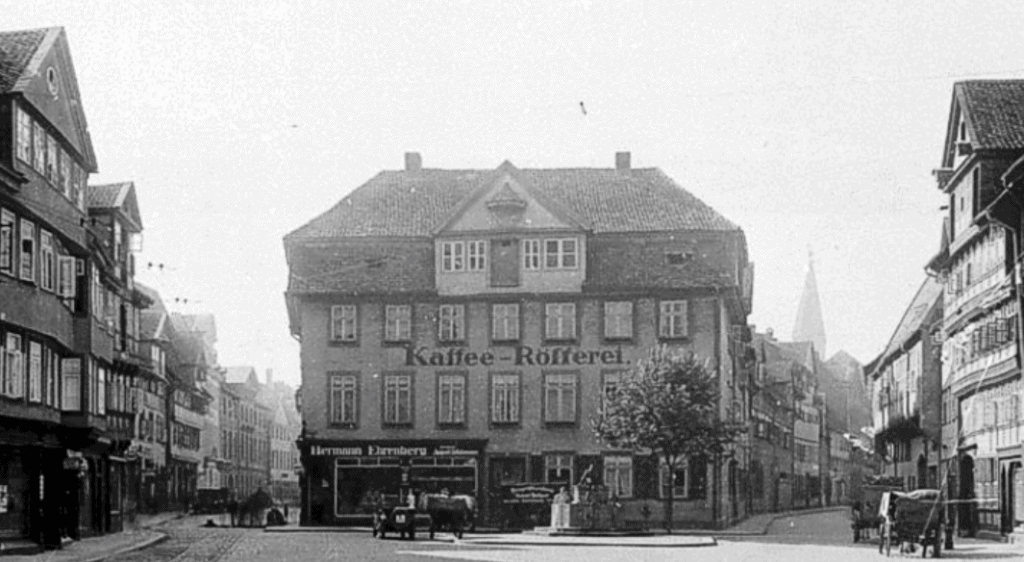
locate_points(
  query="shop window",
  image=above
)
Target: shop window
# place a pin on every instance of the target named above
(451, 399)
(560, 321)
(398, 399)
(531, 254)
(398, 322)
(343, 323)
(560, 398)
(618, 475)
(618, 320)
(505, 399)
(672, 319)
(451, 322)
(505, 322)
(558, 468)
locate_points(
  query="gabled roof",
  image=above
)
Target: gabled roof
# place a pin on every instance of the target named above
(240, 374)
(115, 196)
(801, 351)
(203, 324)
(152, 319)
(994, 110)
(16, 51)
(929, 294)
(415, 203)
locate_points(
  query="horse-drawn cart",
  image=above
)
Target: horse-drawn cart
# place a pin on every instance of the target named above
(864, 514)
(913, 518)
(454, 514)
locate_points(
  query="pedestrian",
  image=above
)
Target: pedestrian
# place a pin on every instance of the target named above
(233, 509)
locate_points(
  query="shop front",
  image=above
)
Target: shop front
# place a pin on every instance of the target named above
(348, 478)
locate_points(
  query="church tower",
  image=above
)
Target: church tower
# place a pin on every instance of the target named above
(809, 323)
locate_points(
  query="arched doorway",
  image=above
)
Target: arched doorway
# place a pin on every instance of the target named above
(966, 492)
(922, 472)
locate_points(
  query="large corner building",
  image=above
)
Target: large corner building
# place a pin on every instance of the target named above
(459, 328)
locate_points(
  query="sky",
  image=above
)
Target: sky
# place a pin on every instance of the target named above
(812, 125)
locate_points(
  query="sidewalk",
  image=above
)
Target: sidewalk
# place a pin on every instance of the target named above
(137, 535)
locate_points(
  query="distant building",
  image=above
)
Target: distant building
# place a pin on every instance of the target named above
(810, 324)
(250, 421)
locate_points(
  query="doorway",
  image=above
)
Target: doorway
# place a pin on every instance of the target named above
(966, 492)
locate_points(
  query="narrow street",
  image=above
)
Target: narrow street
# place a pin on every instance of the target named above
(819, 536)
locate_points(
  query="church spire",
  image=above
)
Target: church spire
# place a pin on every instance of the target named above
(809, 323)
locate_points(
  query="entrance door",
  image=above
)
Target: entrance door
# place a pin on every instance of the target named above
(966, 515)
(505, 263)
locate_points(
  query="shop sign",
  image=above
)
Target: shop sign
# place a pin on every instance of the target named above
(522, 355)
(373, 450)
(530, 492)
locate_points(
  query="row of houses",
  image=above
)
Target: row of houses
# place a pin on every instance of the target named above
(109, 405)
(946, 392)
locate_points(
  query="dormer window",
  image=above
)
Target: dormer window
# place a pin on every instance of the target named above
(463, 256)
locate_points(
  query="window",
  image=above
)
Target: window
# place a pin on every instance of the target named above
(343, 322)
(618, 320)
(558, 468)
(344, 398)
(618, 475)
(452, 258)
(78, 176)
(609, 386)
(65, 174)
(35, 372)
(24, 137)
(560, 254)
(672, 320)
(28, 250)
(531, 254)
(477, 251)
(71, 373)
(398, 322)
(101, 391)
(677, 479)
(451, 322)
(505, 322)
(51, 160)
(7, 236)
(398, 399)
(451, 399)
(698, 478)
(560, 321)
(46, 260)
(13, 371)
(505, 398)
(39, 147)
(560, 398)
(53, 379)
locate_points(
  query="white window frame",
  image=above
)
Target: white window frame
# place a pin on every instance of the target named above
(397, 391)
(672, 319)
(65, 174)
(453, 257)
(46, 260)
(14, 367)
(682, 489)
(344, 399)
(35, 372)
(532, 254)
(476, 255)
(397, 322)
(39, 147)
(24, 150)
(560, 321)
(618, 475)
(8, 234)
(51, 160)
(71, 382)
(505, 398)
(451, 322)
(618, 319)
(344, 323)
(558, 462)
(560, 396)
(451, 399)
(101, 390)
(558, 255)
(505, 322)
(27, 259)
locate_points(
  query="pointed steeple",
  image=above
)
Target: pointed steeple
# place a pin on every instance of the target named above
(809, 323)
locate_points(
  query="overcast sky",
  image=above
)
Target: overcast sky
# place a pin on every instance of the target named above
(810, 124)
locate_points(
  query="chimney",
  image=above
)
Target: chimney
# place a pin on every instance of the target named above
(413, 161)
(621, 160)
(270, 377)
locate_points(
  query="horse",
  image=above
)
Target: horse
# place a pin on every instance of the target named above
(448, 513)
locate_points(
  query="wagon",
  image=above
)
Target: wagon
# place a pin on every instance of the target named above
(913, 518)
(454, 514)
(864, 514)
(400, 519)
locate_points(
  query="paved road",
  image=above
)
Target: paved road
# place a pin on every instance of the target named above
(818, 537)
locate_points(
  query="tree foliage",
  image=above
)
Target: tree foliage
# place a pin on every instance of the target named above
(668, 404)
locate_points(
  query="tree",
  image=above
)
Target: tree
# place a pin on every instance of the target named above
(668, 404)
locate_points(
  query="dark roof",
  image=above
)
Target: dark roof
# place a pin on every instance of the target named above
(16, 51)
(106, 196)
(928, 294)
(995, 112)
(414, 203)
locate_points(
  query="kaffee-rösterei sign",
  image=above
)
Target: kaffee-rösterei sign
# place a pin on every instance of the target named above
(522, 355)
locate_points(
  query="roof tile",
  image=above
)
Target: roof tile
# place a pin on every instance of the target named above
(16, 50)
(995, 112)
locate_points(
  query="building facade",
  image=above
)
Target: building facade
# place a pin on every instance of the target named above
(459, 328)
(249, 430)
(150, 444)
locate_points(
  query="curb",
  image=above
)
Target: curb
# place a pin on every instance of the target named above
(711, 541)
(324, 529)
(144, 544)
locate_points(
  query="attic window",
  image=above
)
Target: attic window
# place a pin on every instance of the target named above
(51, 80)
(678, 258)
